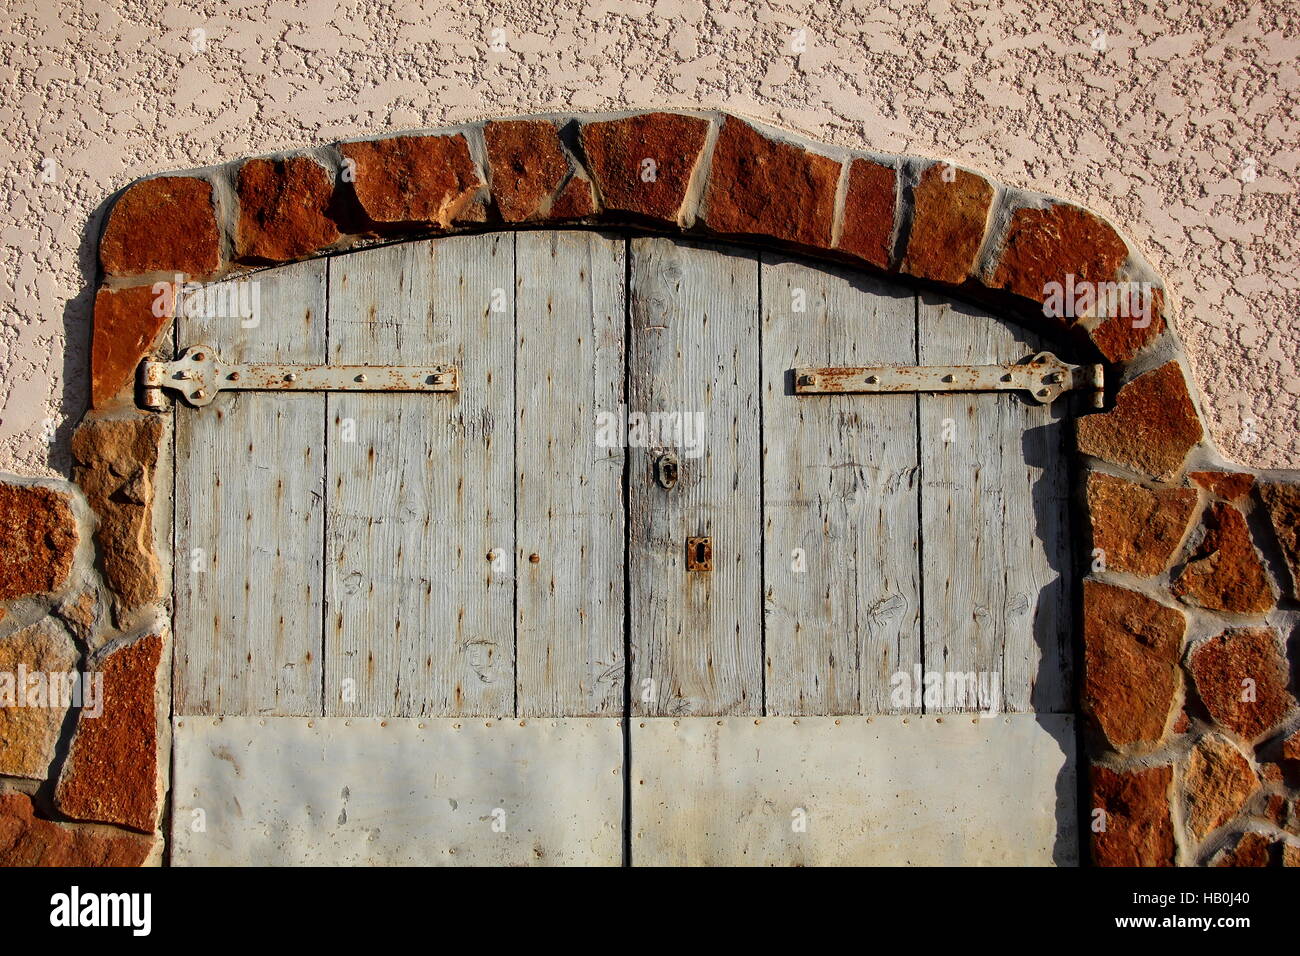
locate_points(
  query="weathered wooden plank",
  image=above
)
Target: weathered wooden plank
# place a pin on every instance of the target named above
(837, 791)
(841, 580)
(569, 371)
(695, 636)
(249, 489)
(338, 791)
(994, 520)
(420, 617)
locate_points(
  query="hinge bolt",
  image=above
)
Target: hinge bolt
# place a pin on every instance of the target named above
(361, 378)
(291, 377)
(200, 394)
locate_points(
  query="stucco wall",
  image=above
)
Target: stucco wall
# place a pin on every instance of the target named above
(1158, 131)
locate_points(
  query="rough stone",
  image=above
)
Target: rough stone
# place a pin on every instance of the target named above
(29, 727)
(28, 840)
(764, 187)
(1138, 831)
(1224, 572)
(528, 165)
(1136, 527)
(576, 200)
(868, 224)
(166, 224)
(414, 180)
(950, 215)
(618, 153)
(127, 324)
(1045, 246)
(111, 774)
(1282, 502)
(80, 614)
(1151, 428)
(1121, 339)
(1131, 648)
(1229, 485)
(114, 463)
(1252, 849)
(285, 209)
(1218, 782)
(1291, 747)
(38, 539)
(1220, 667)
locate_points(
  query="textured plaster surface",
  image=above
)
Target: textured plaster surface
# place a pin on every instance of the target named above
(1184, 130)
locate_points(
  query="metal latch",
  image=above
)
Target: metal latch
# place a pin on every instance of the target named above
(666, 470)
(1043, 376)
(199, 374)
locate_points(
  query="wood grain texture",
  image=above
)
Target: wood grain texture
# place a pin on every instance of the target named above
(994, 519)
(249, 497)
(569, 370)
(841, 579)
(695, 636)
(419, 618)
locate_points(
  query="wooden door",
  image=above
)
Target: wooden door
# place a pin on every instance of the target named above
(479, 587)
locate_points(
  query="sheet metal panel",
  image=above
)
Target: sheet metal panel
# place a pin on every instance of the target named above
(883, 790)
(290, 791)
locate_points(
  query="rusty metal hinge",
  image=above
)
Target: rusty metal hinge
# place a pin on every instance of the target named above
(1043, 376)
(199, 374)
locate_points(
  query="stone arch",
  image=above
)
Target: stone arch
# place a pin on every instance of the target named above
(1195, 554)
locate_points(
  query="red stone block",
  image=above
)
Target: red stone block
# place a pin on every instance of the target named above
(1151, 428)
(284, 209)
(28, 840)
(1221, 669)
(950, 212)
(414, 180)
(869, 206)
(166, 224)
(1131, 650)
(38, 540)
(1136, 527)
(111, 774)
(1224, 571)
(127, 324)
(642, 165)
(1136, 829)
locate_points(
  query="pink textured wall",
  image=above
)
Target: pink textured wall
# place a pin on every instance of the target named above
(1184, 130)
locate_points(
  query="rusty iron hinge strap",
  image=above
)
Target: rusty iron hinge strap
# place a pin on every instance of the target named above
(199, 374)
(1043, 376)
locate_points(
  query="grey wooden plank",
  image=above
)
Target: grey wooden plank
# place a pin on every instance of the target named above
(420, 617)
(841, 791)
(695, 636)
(447, 791)
(569, 370)
(994, 519)
(249, 491)
(841, 578)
